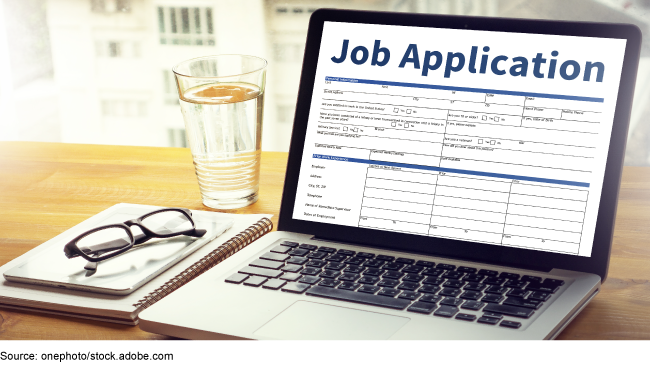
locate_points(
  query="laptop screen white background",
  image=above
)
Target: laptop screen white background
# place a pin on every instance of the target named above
(424, 131)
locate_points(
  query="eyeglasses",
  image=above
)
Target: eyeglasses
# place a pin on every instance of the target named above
(108, 241)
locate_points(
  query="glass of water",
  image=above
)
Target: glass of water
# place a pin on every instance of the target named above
(222, 101)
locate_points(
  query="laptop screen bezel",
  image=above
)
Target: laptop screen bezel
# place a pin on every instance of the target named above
(472, 251)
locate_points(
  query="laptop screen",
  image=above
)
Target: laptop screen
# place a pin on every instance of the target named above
(489, 137)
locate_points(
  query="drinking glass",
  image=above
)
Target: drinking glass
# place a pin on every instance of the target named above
(222, 101)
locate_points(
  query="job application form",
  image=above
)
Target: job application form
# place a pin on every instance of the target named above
(497, 138)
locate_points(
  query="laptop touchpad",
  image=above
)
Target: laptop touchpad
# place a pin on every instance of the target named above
(314, 321)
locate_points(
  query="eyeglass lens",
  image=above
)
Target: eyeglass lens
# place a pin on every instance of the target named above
(167, 222)
(104, 242)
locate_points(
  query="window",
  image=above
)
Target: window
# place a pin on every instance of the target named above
(177, 137)
(110, 6)
(185, 26)
(118, 49)
(124, 108)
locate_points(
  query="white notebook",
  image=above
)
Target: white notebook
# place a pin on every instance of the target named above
(213, 248)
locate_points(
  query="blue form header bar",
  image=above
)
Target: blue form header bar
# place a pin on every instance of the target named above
(454, 171)
(466, 89)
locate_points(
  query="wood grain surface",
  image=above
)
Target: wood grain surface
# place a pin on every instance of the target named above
(46, 188)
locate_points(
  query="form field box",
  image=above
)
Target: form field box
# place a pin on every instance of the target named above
(535, 201)
(546, 234)
(468, 214)
(537, 244)
(539, 212)
(467, 224)
(397, 206)
(401, 186)
(494, 207)
(480, 141)
(398, 195)
(493, 196)
(399, 216)
(492, 142)
(484, 117)
(472, 183)
(408, 111)
(463, 234)
(418, 177)
(393, 124)
(546, 223)
(395, 110)
(390, 225)
(549, 192)
(345, 129)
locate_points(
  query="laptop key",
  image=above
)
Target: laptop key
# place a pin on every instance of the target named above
(390, 274)
(349, 277)
(255, 281)
(236, 278)
(374, 272)
(259, 271)
(297, 260)
(356, 297)
(353, 269)
(385, 258)
(408, 286)
(355, 261)
(410, 295)
(294, 287)
(475, 286)
(454, 302)
(446, 267)
(274, 284)
(494, 281)
(390, 283)
(316, 263)
(291, 268)
(405, 261)
(518, 284)
(531, 278)
(422, 307)
(311, 271)
(433, 272)
(393, 266)
(553, 282)
(472, 305)
(526, 303)
(429, 289)
(290, 244)
(388, 292)
(471, 295)
(425, 263)
(509, 275)
(327, 249)
(510, 324)
(274, 256)
(492, 298)
(298, 252)
(307, 246)
(493, 315)
(290, 276)
(517, 293)
(450, 292)
(308, 279)
(365, 255)
(466, 269)
(431, 298)
(432, 280)
(488, 320)
(538, 295)
(281, 250)
(475, 278)
(336, 258)
(335, 266)
(349, 286)
(368, 280)
(369, 289)
(373, 263)
(267, 264)
(416, 269)
(495, 289)
(317, 255)
(487, 272)
(413, 277)
(329, 274)
(453, 284)
(466, 317)
(329, 282)
(446, 311)
(509, 310)
(346, 252)
(453, 275)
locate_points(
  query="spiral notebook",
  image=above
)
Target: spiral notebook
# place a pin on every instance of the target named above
(246, 228)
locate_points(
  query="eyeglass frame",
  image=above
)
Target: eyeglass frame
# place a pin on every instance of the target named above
(71, 250)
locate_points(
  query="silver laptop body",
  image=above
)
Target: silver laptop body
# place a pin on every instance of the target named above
(409, 130)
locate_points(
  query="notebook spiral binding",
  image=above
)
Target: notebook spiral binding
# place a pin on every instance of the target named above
(227, 249)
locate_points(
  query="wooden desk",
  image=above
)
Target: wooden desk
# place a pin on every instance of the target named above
(46, 188)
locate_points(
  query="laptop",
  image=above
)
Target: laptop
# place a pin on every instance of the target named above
(449, 177)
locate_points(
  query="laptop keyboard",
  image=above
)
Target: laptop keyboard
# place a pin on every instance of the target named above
(461, 292)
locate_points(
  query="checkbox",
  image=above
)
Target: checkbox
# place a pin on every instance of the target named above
(492, 142)
(395, 110)
(393, 124)
(485, 117)
(496, 119)
(345, 129)
(408, 111)
(406, 125)
(480, 141)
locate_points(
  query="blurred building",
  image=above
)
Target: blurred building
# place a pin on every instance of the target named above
(101, 69)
